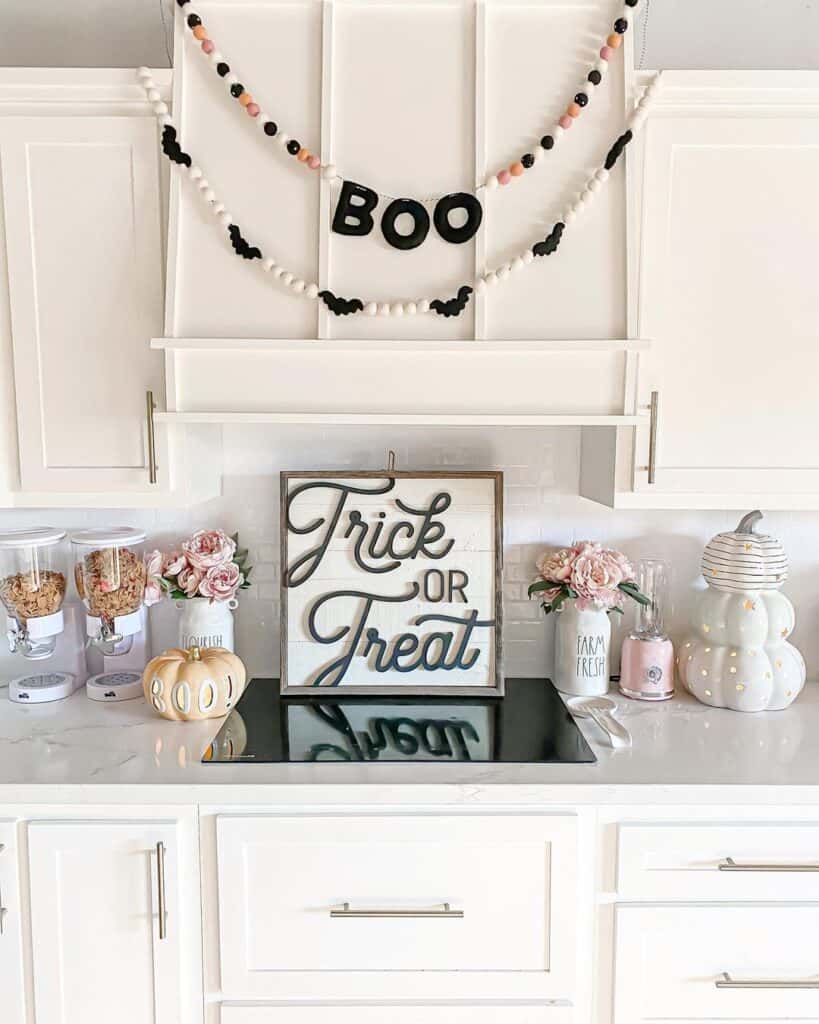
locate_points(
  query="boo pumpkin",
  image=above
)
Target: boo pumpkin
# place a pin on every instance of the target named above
(195, 684)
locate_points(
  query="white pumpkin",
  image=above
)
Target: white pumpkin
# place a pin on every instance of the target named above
(194, 684)
(738, 656)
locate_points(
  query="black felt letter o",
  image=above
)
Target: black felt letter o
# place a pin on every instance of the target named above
(418, 214)
(474, 216)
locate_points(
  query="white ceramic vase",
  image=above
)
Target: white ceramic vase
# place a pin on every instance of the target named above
(582, 645)
(206, 623)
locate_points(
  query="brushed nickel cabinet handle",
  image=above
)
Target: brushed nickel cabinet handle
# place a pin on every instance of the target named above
(729, 864)
(160, 890)
(348, 911)
(654, 410)
(726, 981)
(150, 406)
(3, 910)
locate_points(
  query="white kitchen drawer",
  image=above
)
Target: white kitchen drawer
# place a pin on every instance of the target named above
(513, 878)
(771, 861)
(426, 1014)
(669, 959)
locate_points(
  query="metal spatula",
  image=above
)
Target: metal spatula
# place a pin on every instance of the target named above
(600, 711)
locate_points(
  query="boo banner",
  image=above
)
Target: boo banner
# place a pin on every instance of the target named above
(391, 583)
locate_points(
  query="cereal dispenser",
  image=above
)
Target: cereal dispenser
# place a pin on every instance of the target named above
(32, 589)
(109, 573)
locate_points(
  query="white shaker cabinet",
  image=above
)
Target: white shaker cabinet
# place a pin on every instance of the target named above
(106, 922)
(724, 228)
(81, 291)
(11, 954)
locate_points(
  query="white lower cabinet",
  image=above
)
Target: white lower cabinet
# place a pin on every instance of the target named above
(11, 952)
(717, 963)
(403, 906)
(506, 1013)
(102, 948)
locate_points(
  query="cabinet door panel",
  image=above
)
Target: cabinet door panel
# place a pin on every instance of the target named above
(11, 952)
(426, 1014)
(82, 215)
(727, 293)
(97, 949)
(670, 959)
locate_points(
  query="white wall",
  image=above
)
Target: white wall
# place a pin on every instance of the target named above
(541, 509)
(681, 33)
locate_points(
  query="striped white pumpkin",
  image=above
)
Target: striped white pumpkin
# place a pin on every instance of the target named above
(743, 561)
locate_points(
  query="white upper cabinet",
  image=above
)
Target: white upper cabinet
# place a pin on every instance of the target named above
(726, 223)
(106, 922)
(82, 212)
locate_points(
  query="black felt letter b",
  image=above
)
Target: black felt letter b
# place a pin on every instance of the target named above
(358, 212)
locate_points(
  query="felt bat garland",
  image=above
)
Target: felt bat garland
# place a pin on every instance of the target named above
(341, 306)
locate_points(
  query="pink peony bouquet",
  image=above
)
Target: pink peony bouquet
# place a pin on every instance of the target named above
(588, 573)
(209, 564)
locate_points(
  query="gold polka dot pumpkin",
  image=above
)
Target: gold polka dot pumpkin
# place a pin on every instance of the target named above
(187, 686)
(738, 656)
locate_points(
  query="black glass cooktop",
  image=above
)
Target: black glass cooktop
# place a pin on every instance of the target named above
(530, 725)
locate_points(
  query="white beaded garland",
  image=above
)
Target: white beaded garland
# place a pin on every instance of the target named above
(282, 138)
(311, 291)
(160, 108)
(492, 182)
(154, 95)
(328, 172)
(231, 79)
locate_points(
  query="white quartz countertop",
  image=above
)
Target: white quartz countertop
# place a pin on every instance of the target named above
(81, 749)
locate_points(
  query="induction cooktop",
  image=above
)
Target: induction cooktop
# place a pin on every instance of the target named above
(529, 725)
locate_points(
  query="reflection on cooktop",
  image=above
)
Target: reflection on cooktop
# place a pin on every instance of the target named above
(530, 724)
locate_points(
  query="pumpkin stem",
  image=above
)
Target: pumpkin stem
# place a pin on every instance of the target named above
(748, 522)
(194, 653)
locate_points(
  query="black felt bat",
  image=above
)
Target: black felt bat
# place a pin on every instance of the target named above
(339, 305)
(452, 307)
(171, 148)
(550, 242)
(614, 153)
(241, 246)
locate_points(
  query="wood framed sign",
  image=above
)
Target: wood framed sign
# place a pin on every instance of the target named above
(391, 582)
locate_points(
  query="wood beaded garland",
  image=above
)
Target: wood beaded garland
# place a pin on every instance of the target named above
(503, 177)
(340, 306)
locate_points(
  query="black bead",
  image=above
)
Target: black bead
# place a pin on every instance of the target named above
(632, 3)
(222, 69)
(270, 128)
(194, 20)
(547, 142)
(595, 77)
(183, 2)
(581, 99)
(620, 26)
(237, 89)
(527, 160)
(293, 147)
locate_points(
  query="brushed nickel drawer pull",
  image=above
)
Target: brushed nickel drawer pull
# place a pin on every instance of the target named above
(347, 911)
(654, 412)
(3, 910)
(160, 890)
(726, 981)
(150, 406)
(729, 864)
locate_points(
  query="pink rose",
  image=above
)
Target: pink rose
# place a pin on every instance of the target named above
(189, 580)
(153, 573)
(556, 566)
(221, 582)
(173, 563)
(208, 548)
(597, 573)
(153, 594)
(153, 564)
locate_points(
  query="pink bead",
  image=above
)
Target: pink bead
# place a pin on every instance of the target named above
(314, 162)
(504, 177)
(208, 45)
(606, 53)
(566, 121)
(253, 109)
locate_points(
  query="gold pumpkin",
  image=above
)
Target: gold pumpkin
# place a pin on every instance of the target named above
(187, 686)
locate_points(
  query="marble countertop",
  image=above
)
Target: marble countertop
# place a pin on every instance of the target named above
(78, 748)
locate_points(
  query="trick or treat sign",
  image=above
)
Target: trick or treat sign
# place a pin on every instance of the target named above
(391, 583)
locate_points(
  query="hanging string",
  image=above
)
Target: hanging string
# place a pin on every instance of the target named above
(165, 37)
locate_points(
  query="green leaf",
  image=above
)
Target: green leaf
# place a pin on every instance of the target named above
(535, 588)
(630, 590)
(547, 608)
(618, 610)
(179, 595)
(558, 601)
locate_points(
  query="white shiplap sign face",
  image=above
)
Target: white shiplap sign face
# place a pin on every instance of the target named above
(391, 583)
